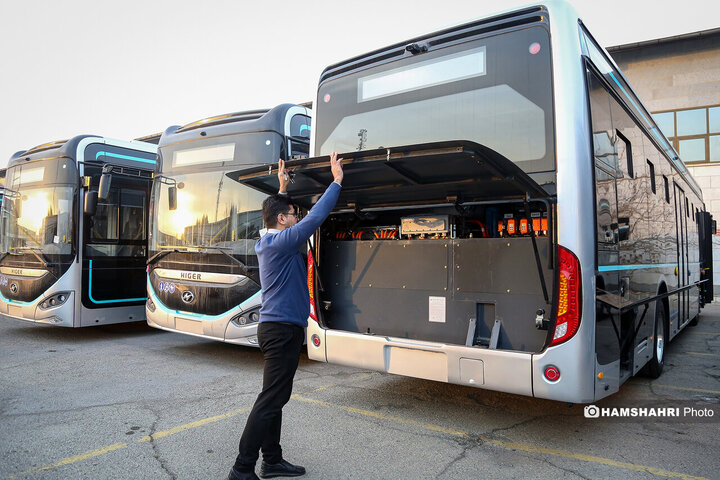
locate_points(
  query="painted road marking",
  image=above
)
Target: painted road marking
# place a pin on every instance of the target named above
(500, 443)
(74, 459)
(422, 425)
(703, 354)
(673, 387)
(191, 425)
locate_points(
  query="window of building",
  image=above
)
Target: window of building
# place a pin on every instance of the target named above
(694, 132)
(651, 171)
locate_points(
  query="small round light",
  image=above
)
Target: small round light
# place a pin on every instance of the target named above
(552, 373)
(534, 48)
(61, 298)
(243, 321)
(326, 98)
(52, 302)
(254, 317)
(315, 340)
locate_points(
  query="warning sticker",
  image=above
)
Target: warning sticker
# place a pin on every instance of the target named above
(436, 309)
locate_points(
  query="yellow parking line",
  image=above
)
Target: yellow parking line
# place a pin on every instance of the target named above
(509, 445)
(195, 424)
(74, 459)
(703, 354)
(673, 387)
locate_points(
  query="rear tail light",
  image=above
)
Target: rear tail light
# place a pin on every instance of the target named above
(552, 373)
(569, 297)
(311, 284)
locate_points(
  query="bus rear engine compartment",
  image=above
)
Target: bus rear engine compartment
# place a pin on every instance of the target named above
(465, 274)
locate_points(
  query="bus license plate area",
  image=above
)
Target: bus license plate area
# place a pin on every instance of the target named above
(416, 363)
(189, 326)
(15, 311)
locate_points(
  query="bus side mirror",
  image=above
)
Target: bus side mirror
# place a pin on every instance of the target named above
(172, 197)
(90, 203)
(104, 189)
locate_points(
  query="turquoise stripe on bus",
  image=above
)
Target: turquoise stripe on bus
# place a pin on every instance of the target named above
(615, 268)
(126, 157)
(119, 300)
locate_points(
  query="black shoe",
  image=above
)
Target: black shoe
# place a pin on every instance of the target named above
(235, 475)
(282, 469)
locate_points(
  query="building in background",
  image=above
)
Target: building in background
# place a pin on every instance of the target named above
(678, 80)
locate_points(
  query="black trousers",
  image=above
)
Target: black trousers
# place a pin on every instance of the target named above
(280, 344)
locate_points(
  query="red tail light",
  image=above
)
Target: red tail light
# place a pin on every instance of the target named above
(569, 297)
(311, 284)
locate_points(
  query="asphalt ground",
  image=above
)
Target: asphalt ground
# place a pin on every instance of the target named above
(131, 402)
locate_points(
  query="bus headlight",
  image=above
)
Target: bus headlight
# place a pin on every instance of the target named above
(55, 300)
(246, 318)
(150, 305)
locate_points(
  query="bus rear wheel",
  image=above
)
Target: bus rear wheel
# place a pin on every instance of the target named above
(655, 366)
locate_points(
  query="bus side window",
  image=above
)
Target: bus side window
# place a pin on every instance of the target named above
(132, 215)
(105, 221)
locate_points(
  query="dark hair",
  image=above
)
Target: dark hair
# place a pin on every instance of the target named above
(273, 206)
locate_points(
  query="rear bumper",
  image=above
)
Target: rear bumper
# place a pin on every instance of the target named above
(478, 367)
(501, 370)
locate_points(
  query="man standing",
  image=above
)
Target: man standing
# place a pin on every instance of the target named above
(283, 317)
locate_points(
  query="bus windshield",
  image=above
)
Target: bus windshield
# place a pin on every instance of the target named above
(496, 91)
(212, 211)
(37, 220)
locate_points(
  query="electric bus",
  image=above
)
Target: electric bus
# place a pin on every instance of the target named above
(72, 257)
(202, 270)
(511, 216)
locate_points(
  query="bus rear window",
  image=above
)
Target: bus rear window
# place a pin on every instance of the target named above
(496, 91)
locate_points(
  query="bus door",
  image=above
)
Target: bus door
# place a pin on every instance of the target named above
(683, 273)
(115, 246)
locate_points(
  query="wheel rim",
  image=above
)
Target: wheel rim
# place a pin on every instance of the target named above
(660, 342)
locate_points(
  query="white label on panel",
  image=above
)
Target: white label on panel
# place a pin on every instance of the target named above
(436, 309)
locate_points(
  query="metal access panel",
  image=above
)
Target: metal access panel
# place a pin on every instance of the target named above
(414, 289)
(393, 288)
(503, 272)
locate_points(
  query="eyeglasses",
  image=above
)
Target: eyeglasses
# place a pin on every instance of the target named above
(297, 214)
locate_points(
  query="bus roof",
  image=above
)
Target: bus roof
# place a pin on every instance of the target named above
(58, 148)
(231, 123)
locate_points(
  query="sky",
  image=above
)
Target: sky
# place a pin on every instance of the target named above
(130, 68)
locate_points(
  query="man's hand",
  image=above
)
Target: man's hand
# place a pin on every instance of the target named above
(283, 176)
(336, 168)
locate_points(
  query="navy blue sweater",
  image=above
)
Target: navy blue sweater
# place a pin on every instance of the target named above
(283, 274)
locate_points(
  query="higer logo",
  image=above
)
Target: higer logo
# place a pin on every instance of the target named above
(188, 296)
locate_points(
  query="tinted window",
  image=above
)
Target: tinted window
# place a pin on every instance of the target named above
(495, 91)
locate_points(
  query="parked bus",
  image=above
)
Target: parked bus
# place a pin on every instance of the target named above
(68, 258)
(202, 271)
(511, 217)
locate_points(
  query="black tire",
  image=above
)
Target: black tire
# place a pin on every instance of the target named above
(654, 367)
(694, 321)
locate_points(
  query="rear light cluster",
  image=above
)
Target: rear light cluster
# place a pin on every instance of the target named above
(55, 300)
(311, 284)
(569, 297)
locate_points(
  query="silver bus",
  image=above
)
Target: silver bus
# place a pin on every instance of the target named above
(202, 271)
(68, 258)
(511, 217)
